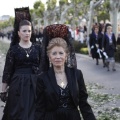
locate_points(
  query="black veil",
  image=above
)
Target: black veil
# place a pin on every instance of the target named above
(52, 31)
(21, 14)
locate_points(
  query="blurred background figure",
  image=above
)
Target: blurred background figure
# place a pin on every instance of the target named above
(109, 46)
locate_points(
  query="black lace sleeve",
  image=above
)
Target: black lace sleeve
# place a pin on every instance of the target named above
(9, 67)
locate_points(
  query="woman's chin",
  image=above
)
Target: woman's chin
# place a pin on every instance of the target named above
(58, 65)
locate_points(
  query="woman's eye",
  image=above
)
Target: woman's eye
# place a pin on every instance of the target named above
(61, 53)
(54, 53)
(29, 31)
(24, 30)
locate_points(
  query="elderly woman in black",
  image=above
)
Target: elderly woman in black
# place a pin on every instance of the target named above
(61, 89)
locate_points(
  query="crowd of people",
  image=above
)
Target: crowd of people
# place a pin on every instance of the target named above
(79, 33)
(41, 81)
(102, 42)
(103, 45)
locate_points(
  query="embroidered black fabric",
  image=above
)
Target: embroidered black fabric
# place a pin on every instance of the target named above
(16, 59)
(65, 98)
(52, 31)
(21, 14)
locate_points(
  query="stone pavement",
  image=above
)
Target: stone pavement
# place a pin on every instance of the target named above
(97, 74)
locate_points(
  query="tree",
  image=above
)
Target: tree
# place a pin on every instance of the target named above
(37, 12)
(62, 2)
(39, 8)
(103, 11)
(93, 5)
(114, 8)
(8, 23)
(51, 4)
(49, 14)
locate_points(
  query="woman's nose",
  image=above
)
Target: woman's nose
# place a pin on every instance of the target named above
(57, 56)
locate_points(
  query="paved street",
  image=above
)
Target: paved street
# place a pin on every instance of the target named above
(97, 74)
(92, 74)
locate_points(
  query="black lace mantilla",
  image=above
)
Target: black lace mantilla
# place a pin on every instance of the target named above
(52, 31)
(21, 14)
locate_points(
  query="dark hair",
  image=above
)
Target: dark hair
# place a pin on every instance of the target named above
(24, 22)
(95, 26)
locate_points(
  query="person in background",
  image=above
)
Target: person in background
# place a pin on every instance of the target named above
(94, 43)
(118, 39)
(100, 41)
(109, 46)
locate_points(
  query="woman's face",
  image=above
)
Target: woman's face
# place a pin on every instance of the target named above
(25, 33)
(57, 56)
(96, 30)
(109, 29)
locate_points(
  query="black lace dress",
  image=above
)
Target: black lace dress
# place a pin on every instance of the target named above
(67, 109)
(20, 73)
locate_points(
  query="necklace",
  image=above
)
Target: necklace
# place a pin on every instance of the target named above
(62, 84)
(27, 52)
(61, 80)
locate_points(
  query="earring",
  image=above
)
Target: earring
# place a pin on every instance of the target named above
(50, 64)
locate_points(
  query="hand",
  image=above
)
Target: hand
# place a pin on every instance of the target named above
(96, 45)
(92, 47)
(3, 96)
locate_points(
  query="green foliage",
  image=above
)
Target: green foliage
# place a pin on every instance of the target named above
(62, 2)
(67, 22)
(102, 11)
(117, 54)
(71, 11)
(39, 8)
(84, 50)
(51, 4)
(76, 1)
(103, 15)
(78, 46)
(31, 11)
(7, 23)
(4, 47)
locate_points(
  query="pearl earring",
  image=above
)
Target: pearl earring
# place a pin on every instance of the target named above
(50, 64)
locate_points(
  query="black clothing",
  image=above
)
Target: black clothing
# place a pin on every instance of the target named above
(100, 40)
(48, 97)
(65, 98)
(20, 73)
(100, 43)
(93, 42)
(16, 59)
(118, 41)
(109, 45)
(21, 14)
